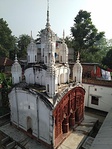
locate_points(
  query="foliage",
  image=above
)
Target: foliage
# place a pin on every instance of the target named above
(107, 60)
(38, 36)
(3, 51)
(85, 35)
(6, 85)
(23, 42)
(69, 42)
(6, 39)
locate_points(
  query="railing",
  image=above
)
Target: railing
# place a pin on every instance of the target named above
(97, 82)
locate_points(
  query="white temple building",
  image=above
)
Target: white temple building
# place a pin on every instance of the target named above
(46, 105)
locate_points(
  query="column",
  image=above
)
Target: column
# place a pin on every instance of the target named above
(72, 119)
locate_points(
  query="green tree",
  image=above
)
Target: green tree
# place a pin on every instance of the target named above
(6, 39)
(23, 42)
(38, 39)
(4, 91)
(69, 42)
(107, 60)
(85, 35)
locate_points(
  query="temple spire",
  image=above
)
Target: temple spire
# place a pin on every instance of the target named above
(78, 55)
(31, 37)
(63, 36)
(31, 34)
(16, 60)
(47, 24)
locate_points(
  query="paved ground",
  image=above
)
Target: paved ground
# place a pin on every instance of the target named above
(21, 138)
(75, 139)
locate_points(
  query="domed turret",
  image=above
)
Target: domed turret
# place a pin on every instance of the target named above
(48, 42)
(32, 52)
(77, 71)
(63, 53)
(16, 71)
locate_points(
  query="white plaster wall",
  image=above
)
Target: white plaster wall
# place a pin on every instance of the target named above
(41, 115)
(63, 54)
(45, 123)
(62, 73)
(104, 94)
(29, 76)
(32, 55)
(25, 111)
(50, 80)
(42, 52)
(77, 73)
(40, 76)
(16, 77)
(24, 100)
(13, 106)
(38, 53)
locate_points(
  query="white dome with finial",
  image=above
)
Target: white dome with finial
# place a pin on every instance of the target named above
(63, 53)
(77, 71)
(32, 51)
(32, 46)
(16, 71)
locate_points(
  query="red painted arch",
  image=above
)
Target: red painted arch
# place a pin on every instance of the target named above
(68, 112)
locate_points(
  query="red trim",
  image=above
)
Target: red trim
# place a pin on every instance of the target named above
(69, 111)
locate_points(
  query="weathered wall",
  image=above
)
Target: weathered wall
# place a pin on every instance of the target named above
(26, 105)
(103, 93)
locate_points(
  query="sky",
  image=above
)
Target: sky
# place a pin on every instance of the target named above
(24, 16)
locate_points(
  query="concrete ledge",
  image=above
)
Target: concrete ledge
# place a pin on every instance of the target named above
(11, 145)
(4, 140)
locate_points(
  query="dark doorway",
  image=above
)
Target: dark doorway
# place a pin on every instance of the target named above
(29, 125)
(65, 125)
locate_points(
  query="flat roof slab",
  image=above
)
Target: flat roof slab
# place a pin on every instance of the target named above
(21, 138)
(103, 140)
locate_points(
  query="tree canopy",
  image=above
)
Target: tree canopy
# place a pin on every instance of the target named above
(85, 35)
(107, 60)
(23, 42)
(7, 41)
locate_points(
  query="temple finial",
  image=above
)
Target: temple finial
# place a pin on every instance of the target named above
(31, 34)
(63, 34)
(16, 58)
(78, 55)
(47, 24)
(31, 37)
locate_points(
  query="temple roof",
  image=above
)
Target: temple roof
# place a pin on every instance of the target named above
(40, 91)
(4, 61)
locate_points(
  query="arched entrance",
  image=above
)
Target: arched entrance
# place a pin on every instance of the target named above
(62, 78)
(68, 112)
(72, 119)
(65, 125)
(29, 125)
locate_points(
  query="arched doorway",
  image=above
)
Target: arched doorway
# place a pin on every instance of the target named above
(65, 125)
(29, 125)
(62, 78)
(72, 119)
(70, 110)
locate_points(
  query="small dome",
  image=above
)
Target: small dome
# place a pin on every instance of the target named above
(47, 32)
(64, 46)
(32, 46)
(16, 67)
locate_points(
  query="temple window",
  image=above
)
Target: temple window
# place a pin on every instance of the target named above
(94, 100)
(35, 58)
(47, 87)
(45, 59)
